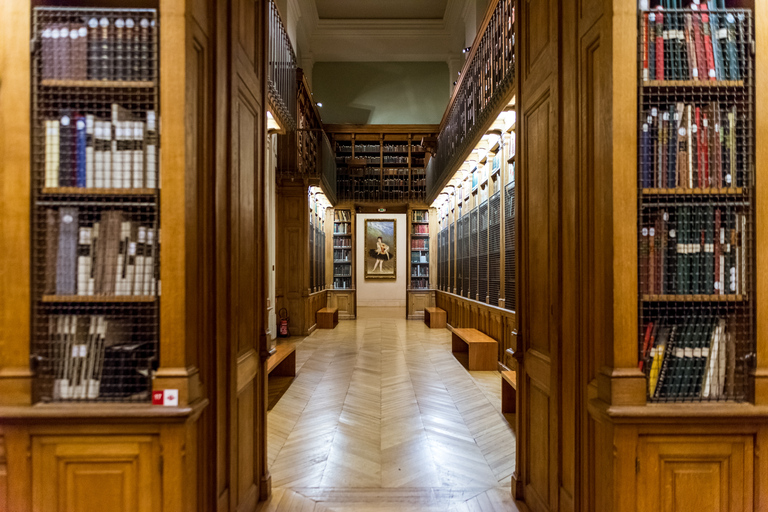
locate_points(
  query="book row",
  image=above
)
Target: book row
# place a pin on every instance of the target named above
(694, 250)
(99, 48)
(112, 256)
(420, 244)
(93, 357)
(342, 242)
(419, 257)
(699, 45)
(690, 360)
(419, 284)
(342, 229)
(84, 151)
(421, 229)
(693, 146)
(342, 270)
(341, 255)
(342, 215)
(419, 271)
(421, 216)
(342, 283)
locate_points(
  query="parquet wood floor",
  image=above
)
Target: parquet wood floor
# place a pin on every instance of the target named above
(382, 417)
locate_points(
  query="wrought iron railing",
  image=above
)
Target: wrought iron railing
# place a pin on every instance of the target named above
(485, 82)
(282, 71)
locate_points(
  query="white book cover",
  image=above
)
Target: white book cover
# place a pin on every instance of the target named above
(138, 279)
(149, 262)
(56, 330)
(138, 154)
(151, 150)
(52, 153)
(127, 154)
(94, 383)
(89, 150)
(83, 260)
(108, 153)
(130, 269)
(115, 175)
(98, 158)
(125, 234)
(67, 336)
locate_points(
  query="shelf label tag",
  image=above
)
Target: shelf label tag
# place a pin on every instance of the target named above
(165, 397)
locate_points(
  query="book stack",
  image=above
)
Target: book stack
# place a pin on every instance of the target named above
(420, 229)
(692, 146)
(700, 43)
(692, 359)
(85, 151)
(421, 216)
(99, 48)
(694, 250)
(113, 256)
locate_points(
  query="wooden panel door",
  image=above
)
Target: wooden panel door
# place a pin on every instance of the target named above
(695, 474)
(96, 473)
(242, 475)
(539, 254)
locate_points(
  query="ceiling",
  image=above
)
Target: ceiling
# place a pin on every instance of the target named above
(381, 9)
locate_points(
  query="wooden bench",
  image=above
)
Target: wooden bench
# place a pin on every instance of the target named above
(435, 317)
(327, 318)
(508, 391)
(283, 362)
(483, 350)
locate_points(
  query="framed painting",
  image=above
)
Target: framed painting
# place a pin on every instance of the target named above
(380, 249)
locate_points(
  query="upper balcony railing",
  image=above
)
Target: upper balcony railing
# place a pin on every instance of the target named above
(282, 72)
(482, 88)
(305, 152)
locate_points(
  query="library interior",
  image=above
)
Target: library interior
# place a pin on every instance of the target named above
(402, 255)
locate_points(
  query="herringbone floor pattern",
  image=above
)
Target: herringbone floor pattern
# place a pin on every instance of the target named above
(381, 416)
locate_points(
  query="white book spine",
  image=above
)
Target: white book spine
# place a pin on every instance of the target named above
(130, 269)
(108, 153)
(138, 280)
(114, 176)
(151, 150)
(149, 262)
(89, 150)
(56, 329)
(83, 260)
(138, 154)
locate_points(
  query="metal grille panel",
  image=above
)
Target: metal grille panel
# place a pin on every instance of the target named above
(452, 260)
(95, 217)
(494, 249)
(510, 281)
(473, 256)
(483, 253)
(696, 147)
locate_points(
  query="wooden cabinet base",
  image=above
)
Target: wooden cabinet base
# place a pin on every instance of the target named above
(680, 457)
(99, 457)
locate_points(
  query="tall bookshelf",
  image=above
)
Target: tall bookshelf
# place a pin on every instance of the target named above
(420, 250)
(343, 250)
(381, 163)
(95, 204)
(696, 177)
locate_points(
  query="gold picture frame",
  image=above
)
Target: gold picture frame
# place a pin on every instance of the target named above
(380, 261)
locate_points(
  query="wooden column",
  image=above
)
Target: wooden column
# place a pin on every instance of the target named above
(15, 189)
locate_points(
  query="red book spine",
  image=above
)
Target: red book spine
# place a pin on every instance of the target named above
(704, 161)
(701, 55)
(659, 47)
(645, 47)
(708, 50)
(699, 159)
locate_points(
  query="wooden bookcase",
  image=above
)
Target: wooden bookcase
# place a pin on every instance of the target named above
(205, 351)
(420, 250)
(381, 163)
(341, 294)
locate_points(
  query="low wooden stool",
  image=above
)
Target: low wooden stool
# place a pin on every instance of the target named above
(483, 350)
(327, 318)
(435, 318)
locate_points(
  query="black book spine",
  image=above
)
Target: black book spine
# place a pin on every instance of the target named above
(118, 53)
(144, 50)
(106, 71)
(129, 59)
(94, 50)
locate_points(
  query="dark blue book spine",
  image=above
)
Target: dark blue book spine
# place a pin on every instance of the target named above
(66, 260)
(80, 150)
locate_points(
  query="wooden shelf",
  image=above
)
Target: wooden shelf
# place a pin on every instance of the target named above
(116, 299)
(694, 298)
(104, 84)
(734, 191)
(77, 191)
(694, 83)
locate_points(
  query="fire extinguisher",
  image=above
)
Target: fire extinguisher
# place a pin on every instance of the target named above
(282, 324)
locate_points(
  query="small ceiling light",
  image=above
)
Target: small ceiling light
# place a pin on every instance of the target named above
(454, 83)
(466, 50)
(319, 104)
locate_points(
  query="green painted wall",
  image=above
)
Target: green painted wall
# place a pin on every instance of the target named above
(381, 92)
